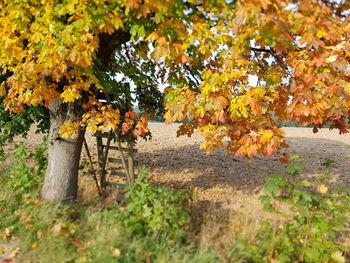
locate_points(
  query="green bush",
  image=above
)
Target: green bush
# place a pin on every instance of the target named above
(152, 227)
(21, 176)
(315, 217)
(49, 232)
(155, 210)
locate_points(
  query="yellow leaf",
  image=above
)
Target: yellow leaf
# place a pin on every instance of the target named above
(321, 188)
(153, 36)
(266, 136)
(331, 58)
(116, 252)
(35, 245)
(70, 95)
(2, 90)
(69, 129)
(259, 92)
(338, 257)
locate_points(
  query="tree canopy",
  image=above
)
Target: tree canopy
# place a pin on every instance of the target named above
(206, 51)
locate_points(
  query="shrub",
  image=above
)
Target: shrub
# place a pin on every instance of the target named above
(21, 176)
(155, 210)
(49, 232)
(315, 219)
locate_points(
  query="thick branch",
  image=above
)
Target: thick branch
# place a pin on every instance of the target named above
(108, 45)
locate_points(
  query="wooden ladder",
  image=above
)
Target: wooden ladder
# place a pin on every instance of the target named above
(125, 161)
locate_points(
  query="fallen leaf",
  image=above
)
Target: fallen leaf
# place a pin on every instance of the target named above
(35, 245)
(321, 188)
(338, 257)
(56, 228)
(13, 253)
(116, 252)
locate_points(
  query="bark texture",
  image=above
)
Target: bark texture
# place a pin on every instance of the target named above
(61, 179)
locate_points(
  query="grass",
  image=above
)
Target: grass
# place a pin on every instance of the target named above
(163, 225)
(51, 232)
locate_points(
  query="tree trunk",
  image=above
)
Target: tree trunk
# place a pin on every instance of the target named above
(61, 179)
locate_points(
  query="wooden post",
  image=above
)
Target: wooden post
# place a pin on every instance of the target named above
(92, 167)
(131, 169)
(123, 159)
(105, 150)
(99, 143)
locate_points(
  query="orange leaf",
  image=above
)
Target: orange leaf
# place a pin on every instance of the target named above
(284, 160)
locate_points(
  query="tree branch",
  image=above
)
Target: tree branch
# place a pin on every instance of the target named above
(108, 45)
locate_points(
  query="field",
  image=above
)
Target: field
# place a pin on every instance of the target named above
(220, 178)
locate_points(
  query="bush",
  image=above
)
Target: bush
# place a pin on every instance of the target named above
(155, 210)
(22, 177)
(49, 232)
(315, 218)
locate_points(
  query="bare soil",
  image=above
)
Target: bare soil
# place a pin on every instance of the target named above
(219, 178)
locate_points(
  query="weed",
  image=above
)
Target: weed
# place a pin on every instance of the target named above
(20, 175)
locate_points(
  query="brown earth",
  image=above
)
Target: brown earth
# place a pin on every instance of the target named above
(221, 179)
(230, 181)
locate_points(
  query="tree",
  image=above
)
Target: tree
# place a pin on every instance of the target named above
(63, 54)
(298, 51)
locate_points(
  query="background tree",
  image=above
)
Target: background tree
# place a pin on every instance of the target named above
(63, 54)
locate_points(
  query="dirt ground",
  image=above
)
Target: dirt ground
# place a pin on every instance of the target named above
(235, 182)
(221, 179)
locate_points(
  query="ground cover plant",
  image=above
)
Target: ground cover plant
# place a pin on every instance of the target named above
(316, 220)
(161, 225)
(150, 228)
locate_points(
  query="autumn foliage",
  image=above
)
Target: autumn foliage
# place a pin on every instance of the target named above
(230, 66)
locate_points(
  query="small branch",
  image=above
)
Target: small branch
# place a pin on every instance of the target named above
(273, 53)
(192, 74)
(261, 50)
(131, 161)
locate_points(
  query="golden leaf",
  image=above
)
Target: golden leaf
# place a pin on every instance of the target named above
(321, 188)
(331, 59)
(69, 129)
(2, 90)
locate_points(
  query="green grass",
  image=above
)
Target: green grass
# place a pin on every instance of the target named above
(161, 225)
(151, 228)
